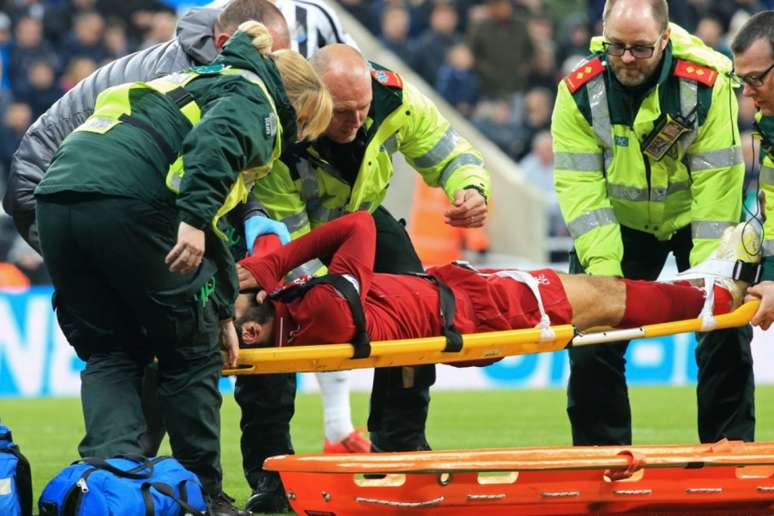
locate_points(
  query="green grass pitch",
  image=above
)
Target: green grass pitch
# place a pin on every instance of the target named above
(48, 430)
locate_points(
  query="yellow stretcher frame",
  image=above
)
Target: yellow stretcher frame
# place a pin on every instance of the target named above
(476, 346)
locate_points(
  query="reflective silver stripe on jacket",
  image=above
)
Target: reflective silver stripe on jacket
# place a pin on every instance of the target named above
(720, 158)
(627, 193)
(767, 175)
(689, 99)
(709, 228)
(578, 161)
(768, 248)
(678, 187)
(245, 74)
(175, 181)
(457, 163)
(295, 222)
(591, 220)
(600, 112)
(391, 145)
(440, 151)
(320, 214)
(309, 187)
(632, 193)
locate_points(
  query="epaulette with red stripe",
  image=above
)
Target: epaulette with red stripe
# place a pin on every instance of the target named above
(387, 78)
(583, 74)
(694, 72)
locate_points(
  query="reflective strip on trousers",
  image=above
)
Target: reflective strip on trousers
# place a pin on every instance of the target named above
(295, 222)
(600, 112)
(767, 175)
(440, 151)
(457, 163)
(578, 161)
(590, 221)
(721, 158)
(710, 229)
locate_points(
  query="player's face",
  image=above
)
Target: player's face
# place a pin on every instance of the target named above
(635, 45)
(754, 68)
(351, 103)
(254, 334)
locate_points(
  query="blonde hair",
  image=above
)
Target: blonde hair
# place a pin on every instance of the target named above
(307, 94)
(261, 39)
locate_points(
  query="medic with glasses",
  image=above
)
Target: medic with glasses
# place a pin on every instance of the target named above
(648, 162)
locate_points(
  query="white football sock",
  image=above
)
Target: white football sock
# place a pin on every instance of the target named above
(334, 389)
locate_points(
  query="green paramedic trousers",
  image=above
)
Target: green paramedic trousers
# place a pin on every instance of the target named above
(119, 306)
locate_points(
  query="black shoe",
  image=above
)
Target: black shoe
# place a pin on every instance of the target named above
(268, 495)
(223, 505)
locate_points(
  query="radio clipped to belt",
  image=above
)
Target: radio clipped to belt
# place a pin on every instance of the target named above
(667, 130)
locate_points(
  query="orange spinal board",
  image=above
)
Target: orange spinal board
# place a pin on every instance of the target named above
(723, 478)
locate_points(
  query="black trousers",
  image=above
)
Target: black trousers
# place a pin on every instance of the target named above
(119, 306)
(400, 396)
(398, 408)
(597, 396)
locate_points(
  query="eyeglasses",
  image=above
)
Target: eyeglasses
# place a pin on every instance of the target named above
(637, 51)
(756, 81)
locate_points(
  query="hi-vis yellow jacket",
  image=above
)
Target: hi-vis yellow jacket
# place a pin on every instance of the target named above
(309, 191)
(603, 179)
(766, 183)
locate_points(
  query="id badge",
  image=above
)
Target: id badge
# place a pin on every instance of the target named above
(663, 137)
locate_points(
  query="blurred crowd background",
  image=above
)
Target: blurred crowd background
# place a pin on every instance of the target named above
(496, 61)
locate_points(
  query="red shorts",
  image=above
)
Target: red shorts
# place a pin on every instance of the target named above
(490, 302)
(518, 304)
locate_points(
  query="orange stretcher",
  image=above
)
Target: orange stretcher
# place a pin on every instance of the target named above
(729, 478)
(477, 346)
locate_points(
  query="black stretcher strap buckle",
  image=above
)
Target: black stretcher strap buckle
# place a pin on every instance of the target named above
(747, 272)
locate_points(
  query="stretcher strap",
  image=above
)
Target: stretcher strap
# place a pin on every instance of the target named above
(344, 286)
(708, 321)
(448, 307)
(546, 332)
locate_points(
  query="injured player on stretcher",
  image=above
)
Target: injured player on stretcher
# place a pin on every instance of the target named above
(353, 303)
